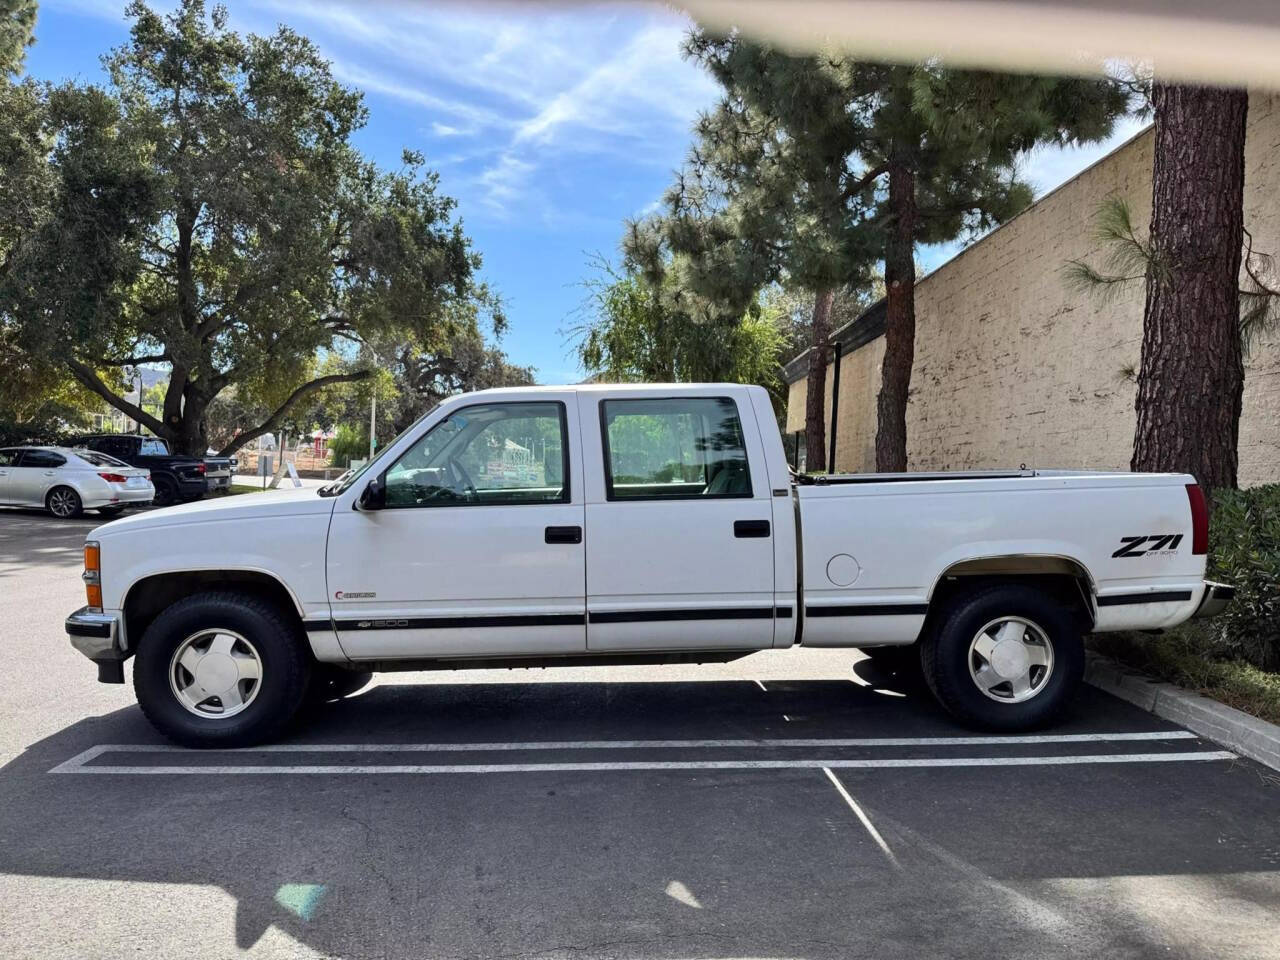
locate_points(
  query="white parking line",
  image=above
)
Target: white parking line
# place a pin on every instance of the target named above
(1033, 739)
(76, 765)
(866, 821)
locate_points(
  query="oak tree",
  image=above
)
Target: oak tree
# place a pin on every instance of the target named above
(210, 215)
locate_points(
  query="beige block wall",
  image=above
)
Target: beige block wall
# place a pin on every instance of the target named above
(1012, 366)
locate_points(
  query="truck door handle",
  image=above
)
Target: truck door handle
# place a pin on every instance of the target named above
(564, 535)
(747, 529)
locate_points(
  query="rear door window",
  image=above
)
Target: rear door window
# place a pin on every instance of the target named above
(42, 458)
(674, 449)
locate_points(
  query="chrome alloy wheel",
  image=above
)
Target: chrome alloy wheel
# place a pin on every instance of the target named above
(1011, 659)
(215, 673)
(62, 503)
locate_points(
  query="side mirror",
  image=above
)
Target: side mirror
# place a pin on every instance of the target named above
(374, 495)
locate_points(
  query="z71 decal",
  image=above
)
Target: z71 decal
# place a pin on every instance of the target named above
(1142, 546)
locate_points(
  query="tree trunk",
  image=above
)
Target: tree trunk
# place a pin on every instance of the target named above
(189, 435)
(1192, 375)
(900, 323)
(815, 415)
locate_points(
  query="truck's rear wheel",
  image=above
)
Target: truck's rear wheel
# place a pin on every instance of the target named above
(166, 492)
(1005, 658)
(221, 670)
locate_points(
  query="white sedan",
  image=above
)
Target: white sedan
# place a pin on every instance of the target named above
(68, 481)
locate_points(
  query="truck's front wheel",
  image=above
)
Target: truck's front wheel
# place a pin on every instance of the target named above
(1007, 657)
(221, 670)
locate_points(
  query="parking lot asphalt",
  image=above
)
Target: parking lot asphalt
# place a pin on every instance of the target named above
(792, 804)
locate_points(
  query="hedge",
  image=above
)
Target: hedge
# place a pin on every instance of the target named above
(1244, 550)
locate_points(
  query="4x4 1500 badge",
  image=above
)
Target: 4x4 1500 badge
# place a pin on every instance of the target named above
(1153, 543)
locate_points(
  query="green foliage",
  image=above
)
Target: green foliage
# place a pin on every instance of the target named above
(349, 443)
(17, 32)
(221, 222)
(1127, 256)
(636, 333)
(39, 401)
(1244, 549)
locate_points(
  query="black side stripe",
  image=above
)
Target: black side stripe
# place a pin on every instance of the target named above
(655, 616)
(445, 623)
(550, 619)
(869, 610)
(1126, 599)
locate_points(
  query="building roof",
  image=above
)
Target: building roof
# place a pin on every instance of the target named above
(861, 330)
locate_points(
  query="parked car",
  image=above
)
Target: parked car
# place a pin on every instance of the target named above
(464, 543)
(67, 482)
(177, 478)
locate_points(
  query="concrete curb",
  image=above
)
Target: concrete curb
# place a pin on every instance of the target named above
(1228, 726)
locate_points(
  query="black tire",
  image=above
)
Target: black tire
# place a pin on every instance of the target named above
(946, 654)
(285, 669)
(110, 512)
(166, 492)
(330, 683)
(64, 503)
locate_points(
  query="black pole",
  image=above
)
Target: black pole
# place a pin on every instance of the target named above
(835, 411)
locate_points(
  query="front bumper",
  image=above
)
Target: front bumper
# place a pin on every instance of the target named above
(98, 636)
(1215, 599)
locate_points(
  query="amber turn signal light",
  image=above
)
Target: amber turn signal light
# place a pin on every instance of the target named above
(93, 575)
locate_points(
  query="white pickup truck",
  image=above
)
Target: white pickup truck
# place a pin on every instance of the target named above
(629, 524)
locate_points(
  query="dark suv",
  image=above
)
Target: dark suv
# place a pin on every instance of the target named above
(177, 478)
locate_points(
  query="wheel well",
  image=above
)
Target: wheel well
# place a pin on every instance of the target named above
(149, 597)
(1059, 577)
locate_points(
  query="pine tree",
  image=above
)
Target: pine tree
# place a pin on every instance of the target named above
(17, 32)
(854, 162)
(1191, 379)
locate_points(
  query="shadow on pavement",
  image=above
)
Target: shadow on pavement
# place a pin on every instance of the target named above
(33, 536)
(1042, 861)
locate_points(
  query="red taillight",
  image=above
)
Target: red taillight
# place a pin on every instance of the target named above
(113, 477)
(1199, 519)
(200, 468)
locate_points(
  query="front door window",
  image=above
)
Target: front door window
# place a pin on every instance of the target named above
(496, 454)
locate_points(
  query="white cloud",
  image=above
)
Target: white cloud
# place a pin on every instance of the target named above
(369, 81)
(505, 182)
(444, 130)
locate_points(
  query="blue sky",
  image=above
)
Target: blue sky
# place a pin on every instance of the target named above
(550, 126)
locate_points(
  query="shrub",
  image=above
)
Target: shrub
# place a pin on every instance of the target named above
(43, 433)
(347, 445)
(1244, 550)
